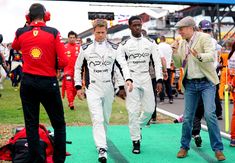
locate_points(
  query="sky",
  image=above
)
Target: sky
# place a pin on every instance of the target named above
(65, 16)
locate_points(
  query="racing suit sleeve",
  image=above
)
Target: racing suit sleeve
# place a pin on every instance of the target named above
(60, 51)
(156, 54)
(118, 78)
(78, 70)
(120, 57)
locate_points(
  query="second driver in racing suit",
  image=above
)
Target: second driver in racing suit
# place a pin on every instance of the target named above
(139, 50)
(72, 51)
(98, 59)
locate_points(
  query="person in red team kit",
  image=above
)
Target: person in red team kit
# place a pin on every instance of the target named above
(43, 53)
(72, 51)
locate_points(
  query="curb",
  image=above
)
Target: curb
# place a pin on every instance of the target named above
(204, 127)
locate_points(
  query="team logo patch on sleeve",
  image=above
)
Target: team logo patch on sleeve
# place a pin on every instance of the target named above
(36, 53)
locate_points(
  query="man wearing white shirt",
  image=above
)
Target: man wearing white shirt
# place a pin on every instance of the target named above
(166, 50)
(205, 26)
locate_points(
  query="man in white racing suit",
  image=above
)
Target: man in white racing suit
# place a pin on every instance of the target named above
(98, 58)
(138, 51)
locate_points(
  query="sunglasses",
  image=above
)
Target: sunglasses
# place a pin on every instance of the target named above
(207, 30)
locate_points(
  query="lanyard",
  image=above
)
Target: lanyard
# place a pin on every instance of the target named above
(187, 50)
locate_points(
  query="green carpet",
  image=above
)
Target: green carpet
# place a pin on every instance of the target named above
(160, 144)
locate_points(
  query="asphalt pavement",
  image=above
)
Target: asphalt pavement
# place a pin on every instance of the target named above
(177, 108)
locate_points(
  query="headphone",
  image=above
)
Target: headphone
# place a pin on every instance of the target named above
(46, 17)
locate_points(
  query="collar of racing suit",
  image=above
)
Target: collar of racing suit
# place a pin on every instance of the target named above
(100, 43)
(136, 38)
(38, 24)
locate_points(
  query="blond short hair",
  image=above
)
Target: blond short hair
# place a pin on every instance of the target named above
(100, 23)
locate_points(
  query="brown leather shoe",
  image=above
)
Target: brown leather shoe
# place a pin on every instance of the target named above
(219, 155)
(182, 153)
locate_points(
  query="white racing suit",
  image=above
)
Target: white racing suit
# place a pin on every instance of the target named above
(98, 60)
(118, 80)
(138, 52)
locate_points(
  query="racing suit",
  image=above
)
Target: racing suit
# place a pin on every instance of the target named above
(72, 51)
(231, 82)
(98, 60)
(118, 81)
(138, 53)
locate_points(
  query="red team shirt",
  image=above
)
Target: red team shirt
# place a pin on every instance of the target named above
(42, 49)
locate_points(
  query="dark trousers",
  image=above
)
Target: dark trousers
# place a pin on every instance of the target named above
(218, 110)
(167, 86)
(198, 117)
(45, 90)
(200, 112)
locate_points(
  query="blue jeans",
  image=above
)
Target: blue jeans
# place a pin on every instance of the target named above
(193, 90)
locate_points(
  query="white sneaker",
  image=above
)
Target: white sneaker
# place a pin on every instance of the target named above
(102, 155)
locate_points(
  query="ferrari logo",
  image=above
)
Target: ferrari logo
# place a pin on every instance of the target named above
(35, 33)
